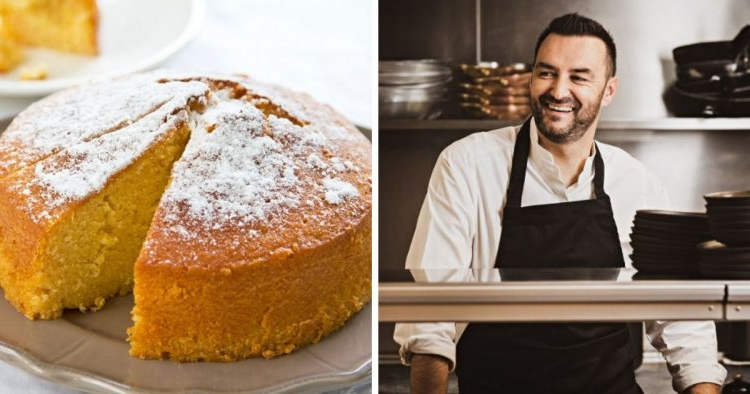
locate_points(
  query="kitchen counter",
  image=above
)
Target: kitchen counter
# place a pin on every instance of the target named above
(564, 300)
(550, 301)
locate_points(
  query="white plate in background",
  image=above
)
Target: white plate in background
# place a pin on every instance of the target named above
(134, 35)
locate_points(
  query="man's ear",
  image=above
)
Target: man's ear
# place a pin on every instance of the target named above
(610, 90)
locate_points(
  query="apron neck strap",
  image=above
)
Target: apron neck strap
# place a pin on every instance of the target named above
(599, 173)
(521, 157)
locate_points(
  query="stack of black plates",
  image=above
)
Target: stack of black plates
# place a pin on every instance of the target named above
(722, 262)
(665, 242)
(729, 217)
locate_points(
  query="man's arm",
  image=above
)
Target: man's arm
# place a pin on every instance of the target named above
(429, 374)
(690, 349)
(440, 251)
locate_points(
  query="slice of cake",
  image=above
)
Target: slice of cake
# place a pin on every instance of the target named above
(11, 53)
(65, 248)
(75, 211)
(65, 25)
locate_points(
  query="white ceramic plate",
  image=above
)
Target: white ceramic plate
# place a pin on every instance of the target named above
(89, 352)
(134, 35)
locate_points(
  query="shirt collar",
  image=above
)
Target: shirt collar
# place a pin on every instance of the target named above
(543, 161)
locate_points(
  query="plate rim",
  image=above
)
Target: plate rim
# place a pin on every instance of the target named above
(82, 380)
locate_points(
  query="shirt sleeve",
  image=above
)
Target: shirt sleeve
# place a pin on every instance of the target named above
(689, 347)
(690, 350)
(442, 240)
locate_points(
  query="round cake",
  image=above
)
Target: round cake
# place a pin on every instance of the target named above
(238, 213)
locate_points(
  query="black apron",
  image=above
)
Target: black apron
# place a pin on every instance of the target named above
(550, 357)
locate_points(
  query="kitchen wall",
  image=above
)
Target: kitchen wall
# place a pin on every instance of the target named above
(645, 32)
(690, 162)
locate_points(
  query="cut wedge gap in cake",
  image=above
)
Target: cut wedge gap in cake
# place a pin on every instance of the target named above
(227, 89)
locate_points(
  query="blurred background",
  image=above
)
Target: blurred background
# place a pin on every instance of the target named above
(321, 47)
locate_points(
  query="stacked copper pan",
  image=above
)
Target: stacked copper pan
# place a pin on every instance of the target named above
(494, 91)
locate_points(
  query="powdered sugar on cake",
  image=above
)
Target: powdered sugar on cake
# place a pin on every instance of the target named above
(338, 190)
(247, 161)
(82, 114)
(242, 172)
(83, 169)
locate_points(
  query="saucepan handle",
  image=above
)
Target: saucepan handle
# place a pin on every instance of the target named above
(741, 43)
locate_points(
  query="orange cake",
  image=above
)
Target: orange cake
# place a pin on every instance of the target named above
(65, 25)
(239, 212)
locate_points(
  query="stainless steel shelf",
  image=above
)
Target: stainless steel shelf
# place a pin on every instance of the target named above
(738, 301)
(665, 124)
(555, 301)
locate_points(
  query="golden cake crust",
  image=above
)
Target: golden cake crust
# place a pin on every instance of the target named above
(294, 256)
(261, 242)
(57, 157)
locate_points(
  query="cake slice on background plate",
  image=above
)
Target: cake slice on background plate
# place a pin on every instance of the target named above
(64, 25)
(11, 52)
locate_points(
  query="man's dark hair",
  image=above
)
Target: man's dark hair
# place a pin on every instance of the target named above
(578, 25)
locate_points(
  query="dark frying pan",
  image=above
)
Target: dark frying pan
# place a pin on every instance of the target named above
(705, 70)
(731, 84)
(683, 103)
(711, 51)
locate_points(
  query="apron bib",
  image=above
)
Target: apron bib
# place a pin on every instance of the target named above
(550, 357)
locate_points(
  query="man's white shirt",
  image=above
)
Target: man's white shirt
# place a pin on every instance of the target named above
(460, 224)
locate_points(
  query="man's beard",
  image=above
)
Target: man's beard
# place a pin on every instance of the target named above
(582, 120)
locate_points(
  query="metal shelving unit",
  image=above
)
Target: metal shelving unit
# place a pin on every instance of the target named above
(566, 301)
(665, 124)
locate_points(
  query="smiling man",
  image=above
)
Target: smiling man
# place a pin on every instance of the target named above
(544, 195)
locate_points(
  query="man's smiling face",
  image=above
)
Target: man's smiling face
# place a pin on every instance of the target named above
(569, 85)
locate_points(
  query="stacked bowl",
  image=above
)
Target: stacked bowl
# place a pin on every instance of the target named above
(729, 221)
(412, 89)
(664, 242)
(729, 217)
(723, 262)
(491, 90)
